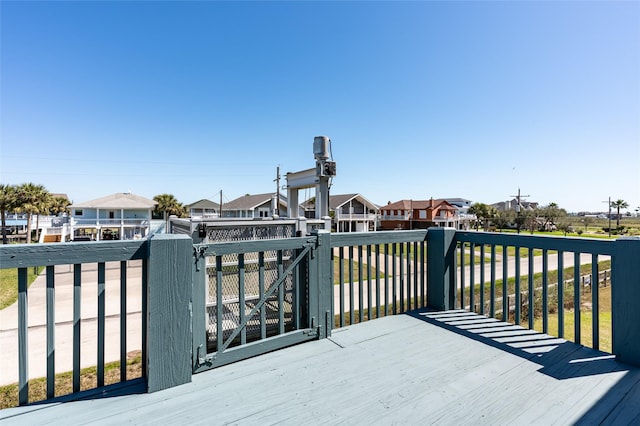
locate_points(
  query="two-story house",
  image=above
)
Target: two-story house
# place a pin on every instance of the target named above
(204, 209)
(255, 206)
(120, 216)
(418, 214)
(349, 212)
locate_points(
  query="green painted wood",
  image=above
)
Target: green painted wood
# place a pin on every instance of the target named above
(377, 251)
(505, 281)
(394, 279)
(77, 304)
(416, 266)
(518, 313)
(402, 277)
(462, 274)
(530, 288)
(123, 320)
(386, 278)
(145, 314)
(325, 288)
(51, 328)
(545, 291)
(219, 306)
(560, 288)
(24, 255)
(346, 239)
(168, 299)
(253, 246)
(280, 293)
(241, 303)
(369, 280)
(440, 276)
(263, 309)
(360, 287)
(472, 277)
(199, 314)
(583, 245)
(341, 283)
(595, 303)
(577, 291)
(351, 288)
(101, 323)
(482, 262)
(492, 288)
(23, 338)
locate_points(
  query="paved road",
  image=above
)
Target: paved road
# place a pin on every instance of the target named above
(36, 315)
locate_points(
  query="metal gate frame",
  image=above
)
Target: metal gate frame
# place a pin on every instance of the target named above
(304, 264)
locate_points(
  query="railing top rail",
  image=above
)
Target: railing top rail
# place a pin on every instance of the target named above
(370, 238)
(250, 246)
(571, 244)
(26, 255)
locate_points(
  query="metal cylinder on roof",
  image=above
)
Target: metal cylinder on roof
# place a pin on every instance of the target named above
(321, 147)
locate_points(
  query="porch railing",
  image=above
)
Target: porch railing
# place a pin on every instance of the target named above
(208, 304)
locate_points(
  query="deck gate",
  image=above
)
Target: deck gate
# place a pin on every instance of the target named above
(253, 297)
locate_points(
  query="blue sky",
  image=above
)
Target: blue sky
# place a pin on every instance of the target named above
(420, 99)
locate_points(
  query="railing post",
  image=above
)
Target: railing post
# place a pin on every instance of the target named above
(440, 274)
(321, 283)
(168, 333)
(625, 300)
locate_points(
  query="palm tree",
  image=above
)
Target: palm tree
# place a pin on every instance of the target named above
(29, 200)
(168, 205)
(8, 198)
(619, 204)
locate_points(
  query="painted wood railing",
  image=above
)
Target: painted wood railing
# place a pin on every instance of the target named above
(312, 280)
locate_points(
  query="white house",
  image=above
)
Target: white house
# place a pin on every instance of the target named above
(120, 216)
(204, 209)
(349, 212)
(255, 206)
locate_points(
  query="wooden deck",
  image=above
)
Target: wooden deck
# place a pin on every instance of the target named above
(424, 368)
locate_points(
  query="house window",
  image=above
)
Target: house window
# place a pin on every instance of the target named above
(78, 213)
(112, 215)
(422, 214)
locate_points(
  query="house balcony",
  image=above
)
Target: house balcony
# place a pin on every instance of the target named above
(355, 217)
(93, 223)
(428, 326)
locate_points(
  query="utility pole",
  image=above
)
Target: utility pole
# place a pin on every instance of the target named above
(220, 208)
(609, 215)
(518, 207)
(277, 181)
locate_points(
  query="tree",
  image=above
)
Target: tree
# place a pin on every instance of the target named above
(551, 214)
(504, 218)
(587, 220)
(168, 205)
(8, 200)
(59, 205)
(619, 204)
(30, 200)
(484, 213)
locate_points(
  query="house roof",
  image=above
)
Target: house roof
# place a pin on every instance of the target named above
(337, 201)
(203, 204)
(120, 200)
(419, 205)
(249, 202)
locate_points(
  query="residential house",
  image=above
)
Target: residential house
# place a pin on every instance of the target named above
(204, 209)
(349, 212)
(513, 205)
(120, 216)
(418, 214)
(255, 206)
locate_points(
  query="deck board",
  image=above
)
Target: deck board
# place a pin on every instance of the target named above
(406, 369)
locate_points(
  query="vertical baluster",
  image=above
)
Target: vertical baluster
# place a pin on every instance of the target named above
(242, 306)
(360, 287)
(280, 294)
(145, 291)
(560, 293)
(77, 298)
(23, 339)
(518, 298)
(263, 311)
(482, 273)
(341, 283)
(51, 327)
(462, 246)
(386, 279)
(472, 277)
(394, 282)
(576, 297)
(402, 277)
(595, 285)
(423, 273)
(351, 288)
(123, 320)
(531, 290)
(369, 295)
(492, 294)
(545, 291)
(415, 275)
(219, 306)
(505, 283)
(377, 281)
(101, 322)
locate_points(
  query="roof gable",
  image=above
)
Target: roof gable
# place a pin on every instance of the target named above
(203, 204)
(119, 200)
(249, 202)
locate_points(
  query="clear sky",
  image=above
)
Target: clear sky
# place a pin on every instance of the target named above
(420, 99)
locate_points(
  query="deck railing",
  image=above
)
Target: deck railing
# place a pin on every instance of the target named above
(208, 304)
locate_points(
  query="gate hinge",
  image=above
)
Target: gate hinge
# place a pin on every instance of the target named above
(203, 360)
(199, 251)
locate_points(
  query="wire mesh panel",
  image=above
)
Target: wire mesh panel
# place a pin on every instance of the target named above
(235, 285)
(251, 231)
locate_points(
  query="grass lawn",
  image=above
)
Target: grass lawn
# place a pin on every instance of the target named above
(586, 317)
(64, 381)
(9, 284)
(356, 266)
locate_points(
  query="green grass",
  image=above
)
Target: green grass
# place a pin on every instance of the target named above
(64, 381)
(355, 268)
(9, 284)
